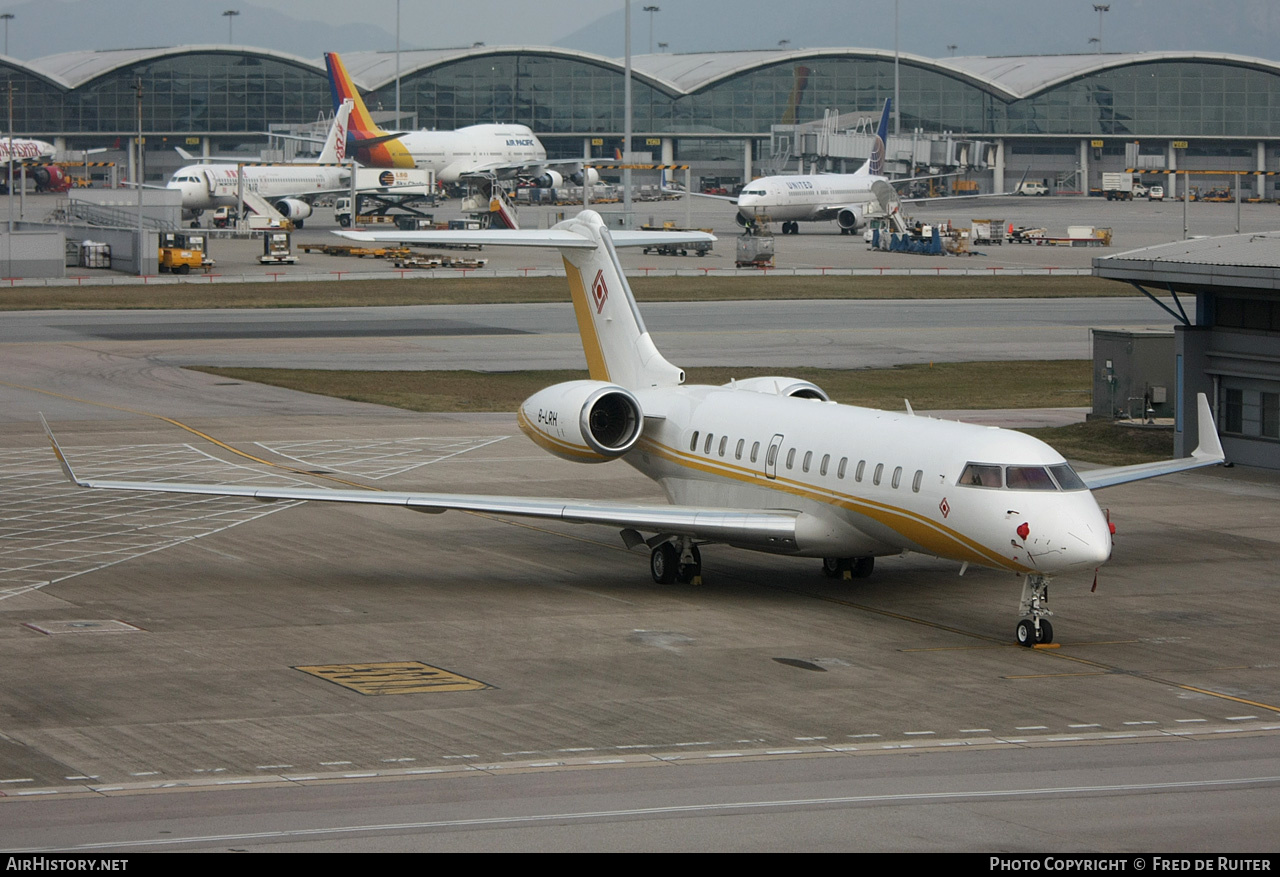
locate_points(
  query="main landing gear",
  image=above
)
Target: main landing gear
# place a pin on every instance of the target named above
(676, 561)
(1036, 629)
(847, 567)
(791, 228)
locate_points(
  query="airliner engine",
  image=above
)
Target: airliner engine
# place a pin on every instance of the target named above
(849, 219)
(590, 173)
(583, 421)
(782, 386)
(549, 180)
(293, 208)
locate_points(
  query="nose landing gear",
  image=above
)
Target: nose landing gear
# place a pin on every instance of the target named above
(1036, 629)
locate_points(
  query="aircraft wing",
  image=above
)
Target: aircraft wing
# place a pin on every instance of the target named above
(1207, 453)
(529, 237)
(732, 199)
(766, 527)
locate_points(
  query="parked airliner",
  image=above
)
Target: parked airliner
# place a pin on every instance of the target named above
(288, 188)
(503, 151)
(770, 464)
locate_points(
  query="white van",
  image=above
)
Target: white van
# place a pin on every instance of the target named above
(1155, 193)
(1030, 187)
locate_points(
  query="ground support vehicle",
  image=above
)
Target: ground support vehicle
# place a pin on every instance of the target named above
(755, 247)
(986, 231)
(700, 248)
(277, 249)
(179, 253)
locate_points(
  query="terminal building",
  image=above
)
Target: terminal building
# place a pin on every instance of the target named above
(1063, 119)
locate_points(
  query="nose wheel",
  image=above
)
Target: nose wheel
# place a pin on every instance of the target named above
(1035, 629)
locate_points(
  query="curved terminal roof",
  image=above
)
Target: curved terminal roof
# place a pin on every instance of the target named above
(1011, 77)
(375, 70)
(74, 69)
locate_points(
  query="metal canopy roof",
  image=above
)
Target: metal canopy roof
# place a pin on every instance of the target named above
(1240, 261)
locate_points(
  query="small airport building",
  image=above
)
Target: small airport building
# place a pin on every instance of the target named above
(1226, 303)
(1062, 119)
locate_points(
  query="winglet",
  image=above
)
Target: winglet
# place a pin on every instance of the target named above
(1209, 446)
(62, 459)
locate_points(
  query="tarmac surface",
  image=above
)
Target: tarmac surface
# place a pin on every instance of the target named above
(209, 673)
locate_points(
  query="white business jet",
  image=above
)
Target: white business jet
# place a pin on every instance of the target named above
(290, 189)
(770, 464)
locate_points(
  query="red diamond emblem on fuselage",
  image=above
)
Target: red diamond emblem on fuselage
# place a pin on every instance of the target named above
(944, 507)
(599, 291)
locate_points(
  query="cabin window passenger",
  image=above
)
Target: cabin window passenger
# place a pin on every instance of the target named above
(706, 448)
(981, 475)
(897, 477)
(826, 459)
(915, 482)
(862, 465)
(844, 463)
(724, 443)
(875, 479)
(1028, 478)
(808, 455)
(791, 458)
(755, 451)
(737, 452)
(693, 443)
(772, 456)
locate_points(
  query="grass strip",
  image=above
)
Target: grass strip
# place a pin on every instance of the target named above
(502, 290)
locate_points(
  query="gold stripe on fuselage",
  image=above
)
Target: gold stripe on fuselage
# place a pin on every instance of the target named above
(580, 453)
(937, 538)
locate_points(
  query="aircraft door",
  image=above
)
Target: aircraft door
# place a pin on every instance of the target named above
(211, 182)
(771, 457)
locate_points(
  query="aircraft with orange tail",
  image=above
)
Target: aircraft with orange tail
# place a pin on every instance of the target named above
(503, 151)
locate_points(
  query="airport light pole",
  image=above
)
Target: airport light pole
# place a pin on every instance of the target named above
(6, 17)
(952, 49)
(626, 125)
(138, 247)
(397, 77)
(897, 103)
(230, 16)
(662, 47)
(651, 10)
(1100, 8)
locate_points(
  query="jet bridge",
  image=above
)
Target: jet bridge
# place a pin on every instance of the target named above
(840, 142)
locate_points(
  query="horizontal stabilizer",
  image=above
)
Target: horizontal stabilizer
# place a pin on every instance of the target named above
(551, 238)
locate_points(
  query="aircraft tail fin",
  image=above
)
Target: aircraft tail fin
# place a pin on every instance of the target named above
(875, 164)
(343, 89)
(334, 150)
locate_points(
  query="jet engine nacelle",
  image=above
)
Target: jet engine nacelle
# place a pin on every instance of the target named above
(50, 178)
(589, 173)
(782, 386)
(583, 421)
(850, 218)
(293, 208)
(549, 180)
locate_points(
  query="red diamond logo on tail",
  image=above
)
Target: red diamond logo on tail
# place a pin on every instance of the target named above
(599, 291)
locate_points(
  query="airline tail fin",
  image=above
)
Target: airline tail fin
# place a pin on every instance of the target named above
(875, 164)
(614, 338)
(343, 89)
(334, 150)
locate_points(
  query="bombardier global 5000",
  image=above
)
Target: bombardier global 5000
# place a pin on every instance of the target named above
(771, 464)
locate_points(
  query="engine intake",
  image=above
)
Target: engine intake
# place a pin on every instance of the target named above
(583, 421)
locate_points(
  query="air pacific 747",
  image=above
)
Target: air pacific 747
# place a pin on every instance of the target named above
(504, 151)
(771, 464)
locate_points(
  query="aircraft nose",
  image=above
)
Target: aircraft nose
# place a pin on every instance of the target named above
(1089, 538)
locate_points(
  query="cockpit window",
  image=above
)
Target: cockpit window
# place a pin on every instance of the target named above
(1067, 478)
(981, 475)
(753, 191)
(1029, 478)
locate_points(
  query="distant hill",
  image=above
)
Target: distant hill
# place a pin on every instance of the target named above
(929, 27)
(49, 28)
